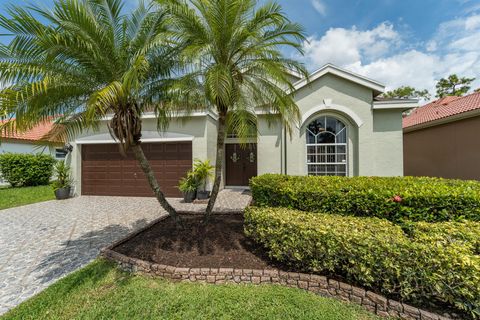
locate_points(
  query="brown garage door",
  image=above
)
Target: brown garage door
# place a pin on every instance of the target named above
(106, 173)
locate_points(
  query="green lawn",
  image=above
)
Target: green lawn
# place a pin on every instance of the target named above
(101, 291)
(14, 197)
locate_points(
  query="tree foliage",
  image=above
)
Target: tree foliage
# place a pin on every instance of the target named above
(235, 65)
(453, 86)
(407, 92)
(83, 61)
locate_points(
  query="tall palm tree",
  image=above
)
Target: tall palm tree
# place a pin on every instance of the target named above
(233, 49)
(86, 61)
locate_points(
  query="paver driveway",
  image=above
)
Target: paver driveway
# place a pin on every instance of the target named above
(42, 242)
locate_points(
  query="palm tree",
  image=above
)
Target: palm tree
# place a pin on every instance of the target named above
(233, 50)
(85, 62)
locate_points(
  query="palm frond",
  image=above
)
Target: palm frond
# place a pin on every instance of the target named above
(234, 47)
(84, 60)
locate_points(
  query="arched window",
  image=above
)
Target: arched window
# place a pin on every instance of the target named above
(326, 147)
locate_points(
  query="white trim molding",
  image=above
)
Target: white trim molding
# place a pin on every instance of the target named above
(329, 106)
(403, 104)
(152, 115)
(377, 87)
(147, 136)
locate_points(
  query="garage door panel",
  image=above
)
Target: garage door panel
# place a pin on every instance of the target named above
(94, 176)
(169, 176)
(106, 172)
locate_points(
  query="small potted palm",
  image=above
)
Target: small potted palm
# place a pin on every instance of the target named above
(188, 186)
(203, 172)
(63, 183)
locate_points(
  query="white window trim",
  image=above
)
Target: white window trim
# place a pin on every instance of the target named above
(329, 106)
(347, 153)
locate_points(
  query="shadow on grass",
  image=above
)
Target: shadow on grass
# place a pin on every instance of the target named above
(78, 252)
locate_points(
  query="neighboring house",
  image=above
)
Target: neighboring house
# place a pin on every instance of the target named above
(345, 130)
(32, 141)
(441, 139)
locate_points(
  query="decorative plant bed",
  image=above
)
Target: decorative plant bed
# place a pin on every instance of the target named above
(220, 243)
(219, 252)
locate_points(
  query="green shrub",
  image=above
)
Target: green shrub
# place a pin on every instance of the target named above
(465, 233)
(376, 253)
(395, 199)
(26, 169)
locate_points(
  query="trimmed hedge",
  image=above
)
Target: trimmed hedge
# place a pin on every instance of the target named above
(24, 170)
(438, 263)
(396, 199)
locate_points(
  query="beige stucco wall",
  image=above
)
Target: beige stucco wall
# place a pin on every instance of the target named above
(269, 149)
(374, 137)
(202, 128)
(388, 136)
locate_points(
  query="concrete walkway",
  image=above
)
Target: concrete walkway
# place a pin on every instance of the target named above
(43, 242)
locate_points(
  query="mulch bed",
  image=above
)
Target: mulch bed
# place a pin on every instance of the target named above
(218, 244)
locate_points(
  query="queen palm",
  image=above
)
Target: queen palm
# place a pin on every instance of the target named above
(233, 48)
(85, 62)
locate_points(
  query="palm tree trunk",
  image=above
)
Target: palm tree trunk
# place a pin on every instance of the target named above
(152, 181)
(218, 164)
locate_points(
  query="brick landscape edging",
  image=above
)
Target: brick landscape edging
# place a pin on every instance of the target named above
(314, 283)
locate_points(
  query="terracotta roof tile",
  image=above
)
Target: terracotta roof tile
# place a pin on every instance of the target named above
(442, 108)
(37, 133)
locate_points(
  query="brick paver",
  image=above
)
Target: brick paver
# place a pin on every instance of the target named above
(43, 242)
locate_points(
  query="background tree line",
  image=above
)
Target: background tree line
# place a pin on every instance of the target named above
(453, 85)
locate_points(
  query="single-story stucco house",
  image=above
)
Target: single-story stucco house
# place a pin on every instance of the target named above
(345, 130)
(32, 141)
(441, 139)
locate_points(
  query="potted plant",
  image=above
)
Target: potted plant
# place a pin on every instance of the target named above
(188, 186)
(203, 172)
(63, 183)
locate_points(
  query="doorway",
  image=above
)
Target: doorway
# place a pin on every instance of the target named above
(241, 164)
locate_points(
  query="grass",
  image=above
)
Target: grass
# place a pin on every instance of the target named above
(101, 291)
(14, 197)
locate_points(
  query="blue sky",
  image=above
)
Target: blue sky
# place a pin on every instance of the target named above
(397, 42)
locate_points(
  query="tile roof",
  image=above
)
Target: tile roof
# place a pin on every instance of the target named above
(37, 133)
(442, 108)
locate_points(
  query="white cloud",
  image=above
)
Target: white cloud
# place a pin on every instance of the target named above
(379, 53)
(320, 6)
(345, 46)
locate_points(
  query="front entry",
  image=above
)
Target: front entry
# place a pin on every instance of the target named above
(241, 163)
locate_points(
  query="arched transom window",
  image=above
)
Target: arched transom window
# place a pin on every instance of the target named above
(327, 147)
